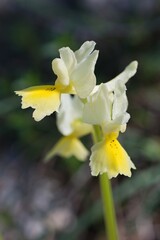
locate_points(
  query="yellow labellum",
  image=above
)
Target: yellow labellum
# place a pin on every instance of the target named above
(44, 99)
(68, 146)
(109, 156)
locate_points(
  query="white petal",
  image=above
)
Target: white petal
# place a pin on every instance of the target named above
(83, 78)
(61, 71)
(123, 128)
(64, 116)
(86, 48)
(69, 111)
(120, 104)
(84, 84)
(97, 110)
(68, 57)
(123, 77)
(117, 124)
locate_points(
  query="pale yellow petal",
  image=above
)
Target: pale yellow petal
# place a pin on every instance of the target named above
(123, 77)
(118, 124)
(81, 129)
(97, 160)
(69, 117)
(67, 147)
(68, 57)
(83, 77)
(84, 51)
(109, 156)
(44, 99)
(97, 109)
(69, 111)
(60, 69)
(120, 104)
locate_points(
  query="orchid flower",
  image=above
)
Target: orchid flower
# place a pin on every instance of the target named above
(69, 123)
(107, 108)
(75, 75)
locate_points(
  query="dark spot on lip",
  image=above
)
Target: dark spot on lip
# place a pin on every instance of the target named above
(50, 89)
(113, 144)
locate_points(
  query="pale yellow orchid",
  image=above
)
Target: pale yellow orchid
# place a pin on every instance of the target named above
(75, 75)
(107, 107)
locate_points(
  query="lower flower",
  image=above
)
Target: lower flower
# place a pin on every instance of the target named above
(68, 146)
(109, 156)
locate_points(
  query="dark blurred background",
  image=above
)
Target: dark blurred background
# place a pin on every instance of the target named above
(60, 200)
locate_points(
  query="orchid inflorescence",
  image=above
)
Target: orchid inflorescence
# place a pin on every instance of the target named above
(81, 106)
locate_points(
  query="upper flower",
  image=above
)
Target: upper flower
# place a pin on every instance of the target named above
(75, 70)
(75, 75)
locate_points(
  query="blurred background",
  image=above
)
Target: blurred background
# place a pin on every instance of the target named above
(60, 200)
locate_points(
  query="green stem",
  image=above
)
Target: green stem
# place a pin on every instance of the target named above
(108, 208)
(107, 197)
